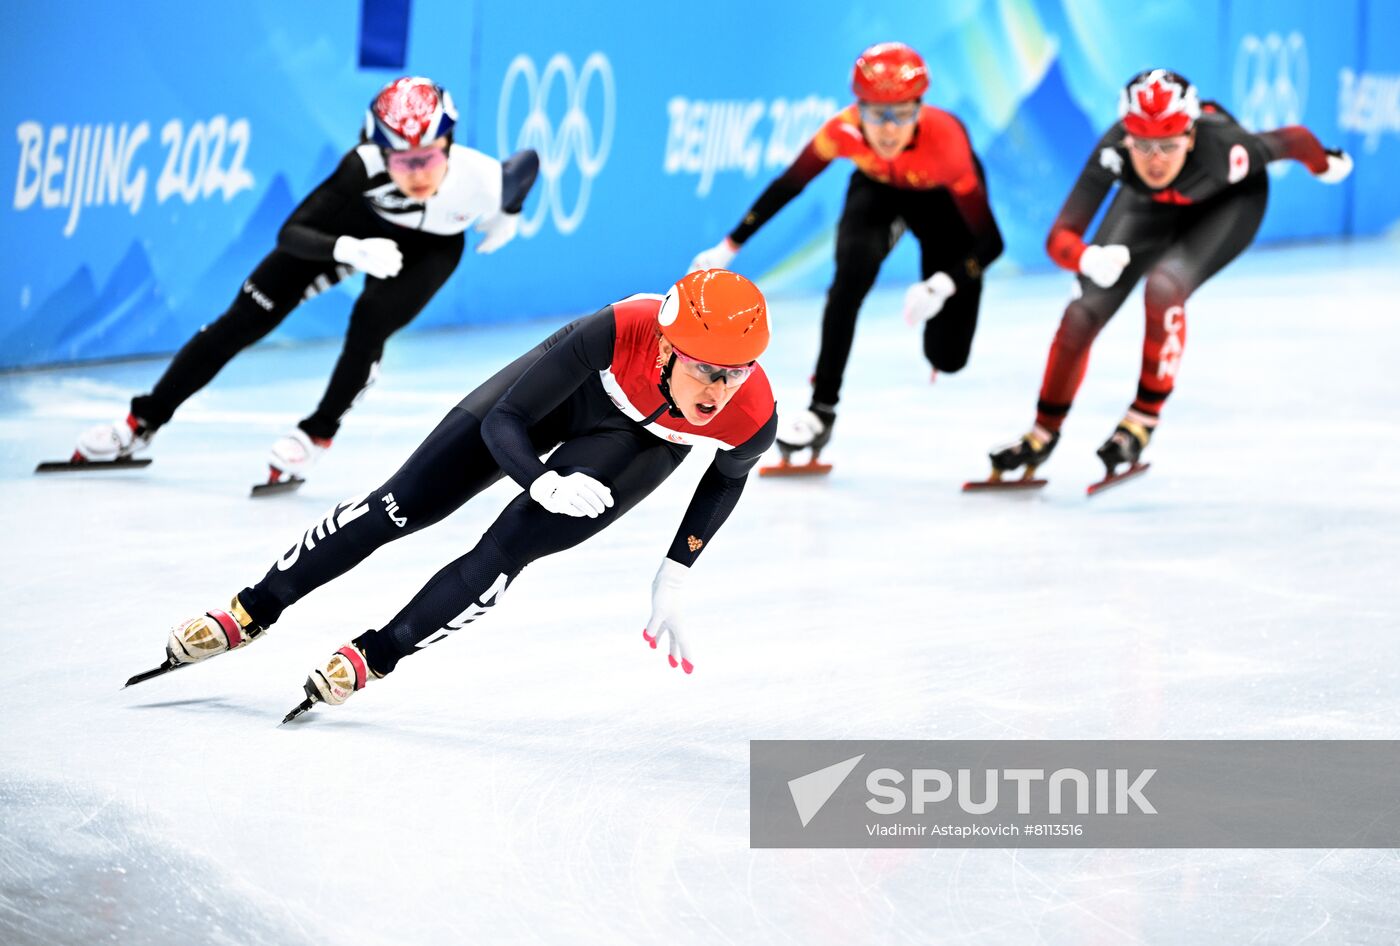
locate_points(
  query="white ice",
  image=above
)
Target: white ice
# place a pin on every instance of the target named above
(544, 777)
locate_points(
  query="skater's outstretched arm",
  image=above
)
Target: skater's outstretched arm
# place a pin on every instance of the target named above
(303, 235)
(813, 159)
(1299, 144)
(580, 350)
(811, 162)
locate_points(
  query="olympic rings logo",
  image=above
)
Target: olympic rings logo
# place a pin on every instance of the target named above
(1271, 82)
(571, 140)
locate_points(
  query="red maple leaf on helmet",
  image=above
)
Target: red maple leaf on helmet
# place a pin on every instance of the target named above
(1156, 98)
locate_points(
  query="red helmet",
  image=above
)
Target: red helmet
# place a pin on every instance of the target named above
(1158, 103)
(716, 316)
(889, 72)
(408, 113)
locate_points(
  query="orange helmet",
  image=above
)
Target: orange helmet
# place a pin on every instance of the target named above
(716, 316)
(888, 73)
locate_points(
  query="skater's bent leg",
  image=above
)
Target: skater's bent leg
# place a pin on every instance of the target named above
(1213, 237)
(385, 306)
(948, 335)
(274, 289)
(524, 532)
(1164, 340)
(862, 243)
(1067, 362)
(448, 468)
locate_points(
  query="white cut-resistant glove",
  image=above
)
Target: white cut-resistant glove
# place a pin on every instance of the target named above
(377, 256)
(718, 256)
(497, 230)
(1338, 167)
(924, 300)
(1103, 264)
(577, 494)
(666, 612)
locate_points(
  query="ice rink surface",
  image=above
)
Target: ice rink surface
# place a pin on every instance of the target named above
(544, 777)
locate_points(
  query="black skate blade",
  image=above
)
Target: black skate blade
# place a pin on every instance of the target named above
(1113, 479)
(66, 466)
(297, 710)
(164, 668)
(276, 489)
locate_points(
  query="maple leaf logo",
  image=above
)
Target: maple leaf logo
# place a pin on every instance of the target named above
(1156, 98)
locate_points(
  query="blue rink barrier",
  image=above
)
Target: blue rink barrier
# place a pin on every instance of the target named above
(151, 168)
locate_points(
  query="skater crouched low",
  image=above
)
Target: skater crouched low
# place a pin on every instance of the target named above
(396, 209)
(620, 397)
(1192, 191)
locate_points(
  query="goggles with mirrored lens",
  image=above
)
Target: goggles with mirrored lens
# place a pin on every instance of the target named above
(873, 113)
(1166, 147)
(420, 159)
(706, 373)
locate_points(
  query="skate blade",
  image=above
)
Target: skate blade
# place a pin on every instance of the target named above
(276, 489)
(1137, 469)
(297, 710)
(167, 666)
(66, 466)
(1001, 486)
(786, 468)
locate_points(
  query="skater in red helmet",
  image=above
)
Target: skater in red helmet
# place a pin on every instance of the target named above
(916, 171)
(395, 209)
(1192, 193)
(620, 397)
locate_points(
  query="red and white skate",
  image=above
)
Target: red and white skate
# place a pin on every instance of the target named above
(288, 462)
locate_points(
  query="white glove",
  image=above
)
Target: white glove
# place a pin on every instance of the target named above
(577, 494)
(498, 230)
(1103, 264)
(718, 256)
(378, 256)
(1338, 167)
(924, 300)
(665, 611)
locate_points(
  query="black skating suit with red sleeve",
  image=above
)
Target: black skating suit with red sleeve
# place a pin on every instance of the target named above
(591, 393)
(1178, 236)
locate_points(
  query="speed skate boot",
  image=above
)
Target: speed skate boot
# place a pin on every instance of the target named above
(1128, 441)
(1030, 452)
(291, 458)
(346, 672)
(807, 430)
(108, 443)
(213, 632)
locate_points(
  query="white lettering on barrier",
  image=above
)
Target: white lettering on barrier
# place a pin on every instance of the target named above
(707, 138)
(75, 166)
(1368, 103)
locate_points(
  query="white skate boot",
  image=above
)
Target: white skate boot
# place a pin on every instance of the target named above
(213, 632)
(289, 460)
(113, 443)
(346, 672)
(805, 430)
